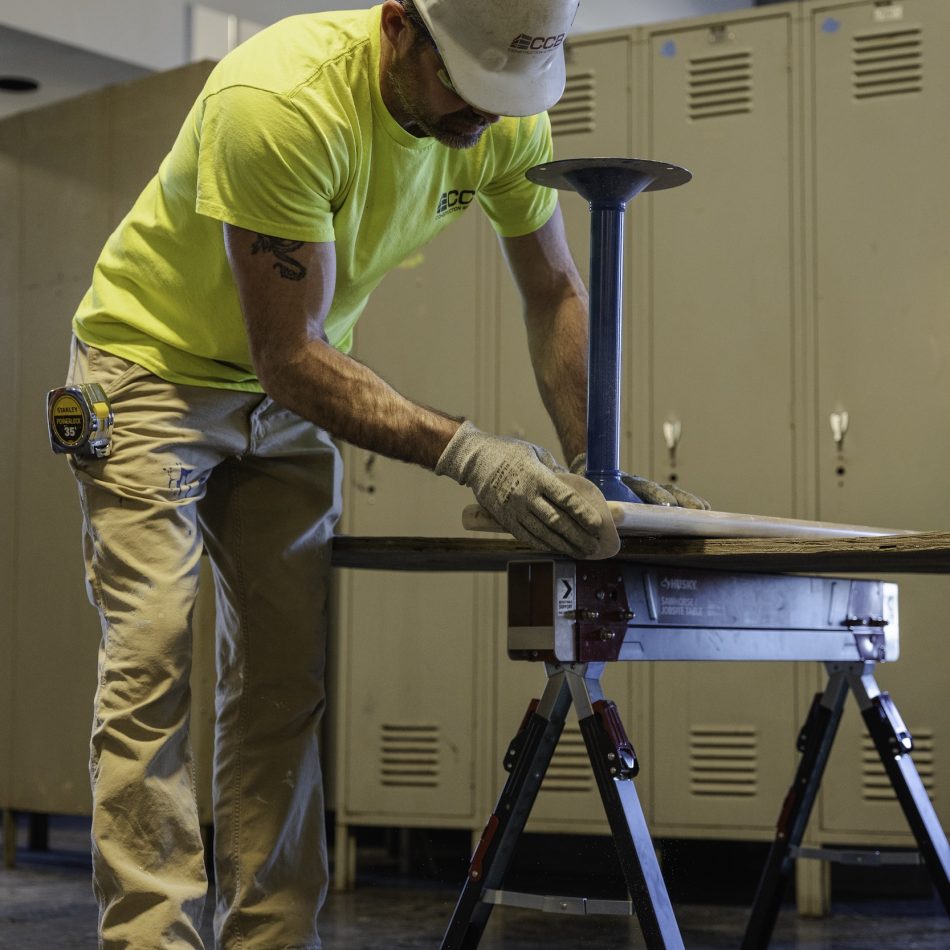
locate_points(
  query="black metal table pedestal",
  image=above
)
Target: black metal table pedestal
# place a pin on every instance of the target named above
(607, 184)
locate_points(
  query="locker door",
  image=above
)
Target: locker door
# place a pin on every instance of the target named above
(11, 137)
(722, 324)
(881, 231)
(720, 272)
(593, 118)
(64, 180)
(412, 642)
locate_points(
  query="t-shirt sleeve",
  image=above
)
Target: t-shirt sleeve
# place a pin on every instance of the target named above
(265, 167)
(515, 205)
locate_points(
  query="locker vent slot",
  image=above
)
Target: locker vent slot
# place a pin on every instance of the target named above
(409, 755)
(723, 761)
(876, 786)
(720, 84)
(570, 769)
(888, 64)
(575, 112)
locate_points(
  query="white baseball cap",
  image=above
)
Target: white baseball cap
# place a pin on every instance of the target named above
(505, 57)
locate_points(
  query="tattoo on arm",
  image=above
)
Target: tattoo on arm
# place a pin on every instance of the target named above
(287, 266)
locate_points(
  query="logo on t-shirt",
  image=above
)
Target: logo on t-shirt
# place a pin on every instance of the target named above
(454, 201)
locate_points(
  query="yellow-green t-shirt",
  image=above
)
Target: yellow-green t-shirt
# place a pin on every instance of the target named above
(290, 138)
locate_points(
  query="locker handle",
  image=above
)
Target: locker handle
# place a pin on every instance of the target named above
(368, 483)
(839, 426)
(672, 430)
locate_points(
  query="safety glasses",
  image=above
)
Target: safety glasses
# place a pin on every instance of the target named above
(444, 79)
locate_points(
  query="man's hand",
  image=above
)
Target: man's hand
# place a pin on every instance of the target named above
(516, 483)
(650, 492)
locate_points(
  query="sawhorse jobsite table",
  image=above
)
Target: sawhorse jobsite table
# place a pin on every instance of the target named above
(682, 599)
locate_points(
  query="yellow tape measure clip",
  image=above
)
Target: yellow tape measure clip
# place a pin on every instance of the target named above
(80, 420)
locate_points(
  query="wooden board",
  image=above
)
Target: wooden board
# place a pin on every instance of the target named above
(924, 553)
(634, 520)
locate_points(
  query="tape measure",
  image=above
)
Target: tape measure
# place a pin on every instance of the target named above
(80, 420)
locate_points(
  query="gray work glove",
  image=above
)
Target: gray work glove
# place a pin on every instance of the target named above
(515, 482)
(650, 492)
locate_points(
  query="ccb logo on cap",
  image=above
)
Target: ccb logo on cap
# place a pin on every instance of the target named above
(536, 44)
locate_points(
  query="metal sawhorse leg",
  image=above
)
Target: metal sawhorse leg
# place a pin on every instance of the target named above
(893, 743)
(614, 763)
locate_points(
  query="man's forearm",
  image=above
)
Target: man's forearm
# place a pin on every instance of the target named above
(300, 370)
(558, 345)
(555, 315)
(352, 403)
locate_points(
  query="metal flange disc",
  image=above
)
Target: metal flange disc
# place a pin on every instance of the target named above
(608, 179)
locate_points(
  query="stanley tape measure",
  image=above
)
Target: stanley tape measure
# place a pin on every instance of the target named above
(80, 420)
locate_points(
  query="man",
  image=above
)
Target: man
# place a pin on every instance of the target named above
(218, 322)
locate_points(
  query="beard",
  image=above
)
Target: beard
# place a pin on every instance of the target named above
(461, 129)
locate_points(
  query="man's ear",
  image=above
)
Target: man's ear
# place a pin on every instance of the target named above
(395, 26)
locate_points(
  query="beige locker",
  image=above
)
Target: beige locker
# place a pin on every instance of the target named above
(880, 291)
(76, 167)
(409, 709)
(11, 135)
(722, 325)
(723, 747)
(66, 215)
(721, 250)
(594, 118)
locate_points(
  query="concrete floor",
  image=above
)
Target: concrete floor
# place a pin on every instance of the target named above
(405, 903)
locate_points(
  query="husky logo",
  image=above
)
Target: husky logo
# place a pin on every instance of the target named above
(455, 200)
(536, 44)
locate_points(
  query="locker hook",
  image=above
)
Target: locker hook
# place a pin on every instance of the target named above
(839, 426)
(672, 429)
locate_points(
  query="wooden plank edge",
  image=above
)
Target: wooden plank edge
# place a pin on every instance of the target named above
(925, 553)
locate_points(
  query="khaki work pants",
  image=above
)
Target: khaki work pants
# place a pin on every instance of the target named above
(258, 488)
